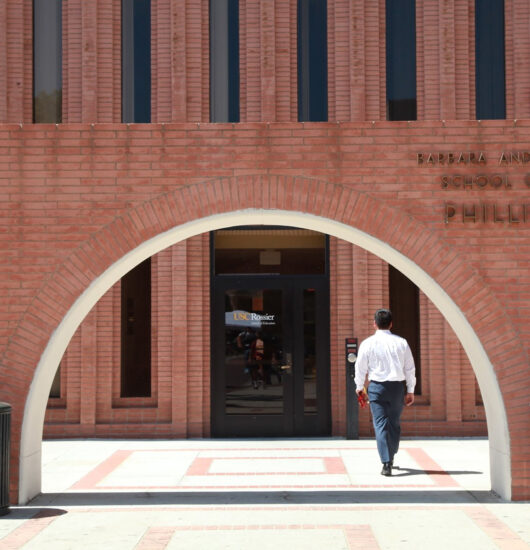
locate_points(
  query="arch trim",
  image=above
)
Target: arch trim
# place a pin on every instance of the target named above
(35, 406)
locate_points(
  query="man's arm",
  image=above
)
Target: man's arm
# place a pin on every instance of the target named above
(410, 376)
(361, 368)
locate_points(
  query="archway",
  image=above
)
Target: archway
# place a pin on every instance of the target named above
(30, 452)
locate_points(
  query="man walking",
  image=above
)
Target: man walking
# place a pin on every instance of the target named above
(386, 360)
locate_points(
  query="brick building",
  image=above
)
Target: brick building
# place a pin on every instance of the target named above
(182, 178)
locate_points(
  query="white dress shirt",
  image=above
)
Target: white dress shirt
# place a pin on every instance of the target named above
(385, 357)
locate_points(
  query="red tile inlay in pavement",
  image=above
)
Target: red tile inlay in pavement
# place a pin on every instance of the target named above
(331, 465)
(29, 529)
(201, 466)
(155, 538)
(357, 536)
(101, 471)
(438, 475)
(498, 532)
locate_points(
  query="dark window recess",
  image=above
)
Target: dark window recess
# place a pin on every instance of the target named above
(47, 61)
(312, 61)
(401, 59)
(136, 61)
(136, 332)
(55, 391)
(224, 60)
(405, 306)
(489, 59)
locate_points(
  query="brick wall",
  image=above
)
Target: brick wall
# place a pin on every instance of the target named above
(71, 205)
(77, 197)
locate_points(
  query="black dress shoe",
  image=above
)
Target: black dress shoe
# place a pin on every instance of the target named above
(387, 469)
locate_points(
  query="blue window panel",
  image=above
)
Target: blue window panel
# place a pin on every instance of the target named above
(136, 60)
(47, 61)
(489, 59)
(312, 61)
(224, 60)
(401, 59)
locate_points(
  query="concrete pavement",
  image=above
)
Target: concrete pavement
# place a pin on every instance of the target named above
(265, 494)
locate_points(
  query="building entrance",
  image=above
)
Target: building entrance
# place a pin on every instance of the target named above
(270, 341)
(270, 357)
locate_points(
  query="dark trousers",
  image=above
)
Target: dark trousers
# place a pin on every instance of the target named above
(386, 404)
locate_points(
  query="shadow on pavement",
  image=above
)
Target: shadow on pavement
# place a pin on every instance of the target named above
(403, 472)
(216, 498)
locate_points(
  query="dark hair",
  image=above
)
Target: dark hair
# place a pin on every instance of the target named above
(383, 318)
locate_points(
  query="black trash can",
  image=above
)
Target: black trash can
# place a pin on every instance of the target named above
(5, 437)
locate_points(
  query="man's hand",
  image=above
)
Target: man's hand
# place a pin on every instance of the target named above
(409, 399)
(362, 398)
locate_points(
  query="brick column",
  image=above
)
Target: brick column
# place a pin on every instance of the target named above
(92, 61)
(180, 61)
(89, 73)
(179, 341)
(362, 327)
(197, 337)
(451, 363)
(446, 40)
(285, 62)
(161, 61)
(161, 334)
(3, 62)
(427, 61)
(16, 81)
(436, 364)
(342, 325)
(356, 60)
(517, 40)
(249, 60)
(464, 42)
(88, 373)
(268, 61)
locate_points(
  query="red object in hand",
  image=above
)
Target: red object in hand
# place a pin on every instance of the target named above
(363, 401)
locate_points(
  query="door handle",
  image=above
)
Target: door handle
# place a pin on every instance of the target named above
(288, 367)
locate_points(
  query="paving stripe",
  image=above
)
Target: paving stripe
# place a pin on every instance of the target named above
(155, 538)
(29, 529)
(439, 476)
(360, 537)
(102, 470)
(504, 537)
(357, 536)
(201, 467)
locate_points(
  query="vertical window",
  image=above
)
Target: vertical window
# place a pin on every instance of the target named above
(401, 59)
(405, 306)
(136, 61)
(489, 59)
(224, 60)
(136, 285)
(136, 331)
(312, 61)
(47, 61)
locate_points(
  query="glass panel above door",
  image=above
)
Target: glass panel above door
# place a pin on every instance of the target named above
(269, 251)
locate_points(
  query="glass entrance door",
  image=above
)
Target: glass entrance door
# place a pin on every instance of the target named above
(270, 361)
